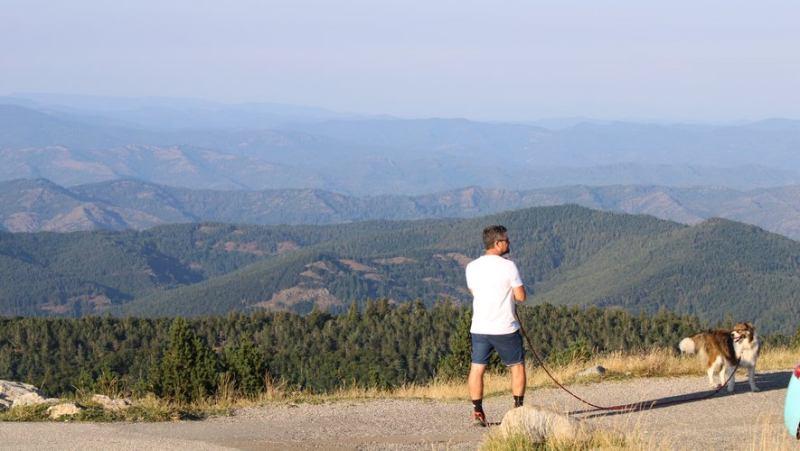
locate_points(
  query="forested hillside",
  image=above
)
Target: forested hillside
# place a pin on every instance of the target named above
(568, 255)
(717, 269)
(69, 274)
(425, 261)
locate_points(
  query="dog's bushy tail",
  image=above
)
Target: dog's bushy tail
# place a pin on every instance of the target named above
(687, 346)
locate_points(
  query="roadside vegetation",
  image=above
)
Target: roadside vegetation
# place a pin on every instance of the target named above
(195, 368)
(657, 362)
(225, 397)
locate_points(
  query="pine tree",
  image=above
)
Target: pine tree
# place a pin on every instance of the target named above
(247, 365)
(455, 366)
(189, 369)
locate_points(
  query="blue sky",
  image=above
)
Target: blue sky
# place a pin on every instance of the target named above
(709, 60)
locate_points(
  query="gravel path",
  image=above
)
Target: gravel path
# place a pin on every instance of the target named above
(723, 422)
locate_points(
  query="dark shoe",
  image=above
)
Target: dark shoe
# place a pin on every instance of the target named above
(479, 419)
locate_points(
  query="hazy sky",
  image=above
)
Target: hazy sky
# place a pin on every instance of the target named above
(707, 60)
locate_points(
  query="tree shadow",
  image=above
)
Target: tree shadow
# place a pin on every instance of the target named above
(778, 380)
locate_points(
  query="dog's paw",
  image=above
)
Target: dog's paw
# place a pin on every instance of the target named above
(756, 390)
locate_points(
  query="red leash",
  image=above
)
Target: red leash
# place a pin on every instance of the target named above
(622, 406)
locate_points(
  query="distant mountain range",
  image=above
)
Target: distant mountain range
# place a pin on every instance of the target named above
(205, 145)
(41, 205)
(328, 182)
(568, 255)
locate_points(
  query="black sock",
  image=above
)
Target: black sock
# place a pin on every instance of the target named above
(518, 400)
(477, 404)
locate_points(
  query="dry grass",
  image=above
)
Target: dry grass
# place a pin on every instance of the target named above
(772, 438)
(654, 363)
(596, 441)
(146, 409)
(618, 365)
(622, 435)
(778, 359)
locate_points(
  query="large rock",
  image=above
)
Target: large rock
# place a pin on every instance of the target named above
(9, 391)
(15, 394)
(61, 410)
(541, 424)
(111, 404)
(598, 370)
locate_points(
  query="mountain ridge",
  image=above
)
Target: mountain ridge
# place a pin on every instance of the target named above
(38, 205)
(367, 156)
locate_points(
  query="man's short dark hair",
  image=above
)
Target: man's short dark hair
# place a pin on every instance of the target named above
(493, 233)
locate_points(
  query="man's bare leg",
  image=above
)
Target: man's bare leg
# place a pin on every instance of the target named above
(517, 379)
(475, 381)
(518, 383)
(475, 384)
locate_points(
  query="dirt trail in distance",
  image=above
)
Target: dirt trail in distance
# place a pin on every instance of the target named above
(725, 421)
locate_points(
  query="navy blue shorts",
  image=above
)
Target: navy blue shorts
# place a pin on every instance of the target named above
(508, 346)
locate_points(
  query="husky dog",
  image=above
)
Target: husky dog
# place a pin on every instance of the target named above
(721, 349)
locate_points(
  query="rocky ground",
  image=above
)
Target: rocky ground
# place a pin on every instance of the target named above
(742, 420)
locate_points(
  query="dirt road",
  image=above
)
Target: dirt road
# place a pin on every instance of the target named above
(735, 421)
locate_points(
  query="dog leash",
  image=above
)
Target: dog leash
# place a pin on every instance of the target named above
(630, 407)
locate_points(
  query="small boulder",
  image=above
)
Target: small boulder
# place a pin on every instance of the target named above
(541, 424)
(28, 399)
(110, 403)
(61, 410)
(598, 370)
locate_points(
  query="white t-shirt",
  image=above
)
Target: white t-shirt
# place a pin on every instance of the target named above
(492, 279)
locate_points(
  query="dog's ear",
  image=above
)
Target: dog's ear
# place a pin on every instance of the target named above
(749, 325)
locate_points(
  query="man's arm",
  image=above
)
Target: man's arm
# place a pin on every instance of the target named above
(519, 293)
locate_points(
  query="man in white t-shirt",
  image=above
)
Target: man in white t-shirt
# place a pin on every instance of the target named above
(495, 284)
